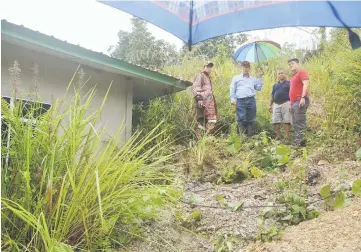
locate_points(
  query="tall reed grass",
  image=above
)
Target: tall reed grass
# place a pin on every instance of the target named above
(63, 188)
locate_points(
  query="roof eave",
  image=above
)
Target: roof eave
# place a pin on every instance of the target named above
(49, 42)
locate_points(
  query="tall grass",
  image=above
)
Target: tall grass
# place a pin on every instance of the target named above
(64, 188)
(335, 77)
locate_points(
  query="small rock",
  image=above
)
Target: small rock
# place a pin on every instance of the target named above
(260, 197)
(211, 178)
(343, 187)
(312, 176)
(322, 162)
(268, 213)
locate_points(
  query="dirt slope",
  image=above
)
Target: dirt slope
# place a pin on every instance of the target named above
(337, 231)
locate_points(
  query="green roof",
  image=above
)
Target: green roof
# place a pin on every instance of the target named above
(49, 42)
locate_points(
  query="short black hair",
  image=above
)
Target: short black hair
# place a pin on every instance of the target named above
(294, 59)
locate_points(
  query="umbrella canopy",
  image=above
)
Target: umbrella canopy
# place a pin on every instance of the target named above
(196, 21)
(257, 51)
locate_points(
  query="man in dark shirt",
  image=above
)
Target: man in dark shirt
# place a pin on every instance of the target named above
(281, 111)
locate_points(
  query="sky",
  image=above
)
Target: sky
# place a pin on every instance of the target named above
(94, 26)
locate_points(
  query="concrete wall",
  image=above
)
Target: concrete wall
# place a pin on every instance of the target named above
(54, 76)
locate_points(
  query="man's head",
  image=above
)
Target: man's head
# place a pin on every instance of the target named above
(281, 75)
(208, 67)
(246, 67)
(294, 64)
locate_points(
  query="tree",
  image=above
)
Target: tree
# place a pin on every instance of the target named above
(141, 48)
(210, 48)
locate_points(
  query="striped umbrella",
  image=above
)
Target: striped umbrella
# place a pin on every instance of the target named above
(194, 21)
(257, 51)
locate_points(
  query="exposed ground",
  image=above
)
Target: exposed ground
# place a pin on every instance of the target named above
(338, 230)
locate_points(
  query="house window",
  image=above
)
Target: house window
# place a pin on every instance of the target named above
(36, 108)
(30, 111)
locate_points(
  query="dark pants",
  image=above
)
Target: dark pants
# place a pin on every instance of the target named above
(299, 119)
(246, 114)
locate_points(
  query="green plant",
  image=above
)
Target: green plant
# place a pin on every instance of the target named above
(358, 155)
(331, 200)
(268, 234)
(225, 243)
(234, 144)
(257, 173)
(356, 187)
(296, 209)
(190, 220)
(237, 168)
(64, 188)
(221, 200)
(281, 185)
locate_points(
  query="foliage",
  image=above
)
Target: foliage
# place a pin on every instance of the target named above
(221, 200)
(225, 243)
(237, 168)
(257, 173)
(356, 187)
(141, 48)
(338, 199)
(325, 192)
(203, 155)
(293, 193)
(190, 220)
(268, 234)
(358, 155)
(296, 209)
(63, 188)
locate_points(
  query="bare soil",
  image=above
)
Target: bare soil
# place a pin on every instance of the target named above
(338, 230)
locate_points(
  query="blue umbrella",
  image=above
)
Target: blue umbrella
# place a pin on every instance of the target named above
(257, 51)
(196, 21)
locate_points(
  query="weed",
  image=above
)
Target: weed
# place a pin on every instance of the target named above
(225, 243)
(268, 234)
(188, 221)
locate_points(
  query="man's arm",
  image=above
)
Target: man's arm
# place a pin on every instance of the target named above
(306, 83)
(271, 99)
(270, 103)
(258, 83)
(197, 88)
(232, 91)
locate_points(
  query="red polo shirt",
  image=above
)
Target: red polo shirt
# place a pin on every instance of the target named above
(296, 85)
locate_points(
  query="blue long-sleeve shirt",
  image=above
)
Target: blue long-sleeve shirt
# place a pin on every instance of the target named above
(242, 87)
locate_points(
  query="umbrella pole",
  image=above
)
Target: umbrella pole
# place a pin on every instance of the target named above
(258, 62)
(190, 25)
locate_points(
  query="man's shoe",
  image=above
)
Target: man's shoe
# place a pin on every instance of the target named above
(249, 131)
(287, 141)
(303, 143)
(296, 146)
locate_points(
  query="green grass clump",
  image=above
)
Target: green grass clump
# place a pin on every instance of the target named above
(64, 188)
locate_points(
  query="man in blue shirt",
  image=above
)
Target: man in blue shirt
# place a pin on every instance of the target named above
(281, 111)
(242, 92)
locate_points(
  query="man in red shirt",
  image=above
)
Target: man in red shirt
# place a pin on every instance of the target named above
(300, 100)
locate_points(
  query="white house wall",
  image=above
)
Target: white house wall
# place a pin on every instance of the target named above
(54, 76)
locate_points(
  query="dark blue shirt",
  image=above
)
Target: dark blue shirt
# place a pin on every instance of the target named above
(281, 92)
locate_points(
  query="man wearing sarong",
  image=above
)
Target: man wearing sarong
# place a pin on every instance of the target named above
(204, 100)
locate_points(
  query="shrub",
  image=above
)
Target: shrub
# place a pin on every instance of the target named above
(63, 188)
